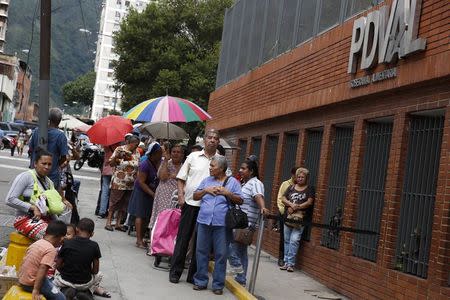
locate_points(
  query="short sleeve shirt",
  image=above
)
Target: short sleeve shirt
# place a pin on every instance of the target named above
(39, 253)
(125, 171)
(57, 145)
(299, 197)
(193, 171)
(214, 208)
(250, 190)
(78, 254)
(148, 168)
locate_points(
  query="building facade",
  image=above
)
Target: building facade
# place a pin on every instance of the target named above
(23, 93)
(359, 93)
(4, 5)
(106, 94)
(9, 69)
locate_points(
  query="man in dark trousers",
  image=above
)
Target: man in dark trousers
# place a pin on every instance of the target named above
(193, 171)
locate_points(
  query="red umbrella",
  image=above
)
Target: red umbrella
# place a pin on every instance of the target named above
(109, 130)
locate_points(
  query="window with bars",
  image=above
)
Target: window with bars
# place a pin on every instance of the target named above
(256, 147)
(337, 185)
(312, 160)
(371, 195)
(289, 155)
(418, 194)
(242, 152)
(269, 167)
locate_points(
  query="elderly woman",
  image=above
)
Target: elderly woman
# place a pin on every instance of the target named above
(253, 206)
(141, 203)
(167, 174)
(29, 185)
(216, 192)
(297, 199)
(125, 161)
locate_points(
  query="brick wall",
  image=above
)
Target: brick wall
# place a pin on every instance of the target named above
(308, 88)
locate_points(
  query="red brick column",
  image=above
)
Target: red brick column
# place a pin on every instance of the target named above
(301, 148)
(322, 181)
(353, 185)
(393, 189)
(439, 263)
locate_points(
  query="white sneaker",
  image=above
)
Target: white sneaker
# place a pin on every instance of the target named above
(235, 270)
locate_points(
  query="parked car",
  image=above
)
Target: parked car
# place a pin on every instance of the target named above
(10, 128)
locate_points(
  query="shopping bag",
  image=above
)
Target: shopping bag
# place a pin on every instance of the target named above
(32, 228)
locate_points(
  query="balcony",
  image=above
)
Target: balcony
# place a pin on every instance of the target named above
(4, 2)
(3, 13)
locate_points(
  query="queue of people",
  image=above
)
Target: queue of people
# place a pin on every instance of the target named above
(142, 186)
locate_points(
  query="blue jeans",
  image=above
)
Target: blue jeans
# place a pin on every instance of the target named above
(238, 256)
(292, 238)
(48, 289)
(211, 236)
(104, 197)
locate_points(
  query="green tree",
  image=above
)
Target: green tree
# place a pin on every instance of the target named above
(80, 90)
(172, 47)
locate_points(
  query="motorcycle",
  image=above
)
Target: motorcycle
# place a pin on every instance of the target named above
(7, 142)
(92, 154)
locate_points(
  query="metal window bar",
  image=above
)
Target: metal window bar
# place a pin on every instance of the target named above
(337, 185)
(418, 195)
(312, 161)
(273, 24)
(256, 146)
(289, 155)
(269, 168)
(371, 196)
(242, 152)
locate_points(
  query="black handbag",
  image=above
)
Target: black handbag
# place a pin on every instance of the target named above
(235, 217)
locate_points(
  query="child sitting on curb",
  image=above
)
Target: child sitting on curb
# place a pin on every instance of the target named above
(78, 264)
(40, 256)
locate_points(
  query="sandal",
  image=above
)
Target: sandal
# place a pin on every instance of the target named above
(105, 294)
(121, 228)
(109, 228)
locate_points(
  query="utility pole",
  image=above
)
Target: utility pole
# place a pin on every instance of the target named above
(44, 71)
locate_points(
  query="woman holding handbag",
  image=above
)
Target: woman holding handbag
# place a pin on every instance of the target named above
(217, 193)
(297, 199)
(254, 207)
(27, 194)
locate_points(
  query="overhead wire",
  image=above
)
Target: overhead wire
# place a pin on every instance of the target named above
(84, 25)
(29, 50)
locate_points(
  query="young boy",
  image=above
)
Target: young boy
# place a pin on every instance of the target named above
(39, 258)
(78, 262)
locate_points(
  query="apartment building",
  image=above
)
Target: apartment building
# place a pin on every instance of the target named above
(4, 4)
(106, 95)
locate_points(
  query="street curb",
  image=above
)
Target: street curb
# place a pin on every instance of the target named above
(234, 287)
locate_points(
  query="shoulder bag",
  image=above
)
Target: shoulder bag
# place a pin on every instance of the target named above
(235, 217)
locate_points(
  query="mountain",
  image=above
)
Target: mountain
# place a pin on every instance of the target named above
(72, 49)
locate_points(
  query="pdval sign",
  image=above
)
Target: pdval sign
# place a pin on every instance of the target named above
(377, 39)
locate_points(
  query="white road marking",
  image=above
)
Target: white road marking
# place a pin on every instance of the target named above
(24, 169)
(85, 166)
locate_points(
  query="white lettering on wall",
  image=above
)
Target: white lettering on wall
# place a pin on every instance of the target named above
(377, 39)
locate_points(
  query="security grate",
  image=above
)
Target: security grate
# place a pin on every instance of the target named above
(289, 155)
(371, 196)
(256, 146)
(242, 152)
(337, 185)
(312, 156)
(418, 195)
(312, 160)
(269, 168)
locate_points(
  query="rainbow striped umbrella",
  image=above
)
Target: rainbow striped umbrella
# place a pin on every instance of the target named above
(167, 109)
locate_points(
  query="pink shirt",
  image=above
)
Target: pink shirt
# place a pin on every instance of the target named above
(107, 170)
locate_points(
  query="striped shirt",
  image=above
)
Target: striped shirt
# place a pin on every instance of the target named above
(250, 189)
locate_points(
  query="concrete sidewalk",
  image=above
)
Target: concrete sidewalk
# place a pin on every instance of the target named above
(129, 273)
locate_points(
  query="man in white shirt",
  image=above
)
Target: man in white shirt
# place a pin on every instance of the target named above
(193, 171)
